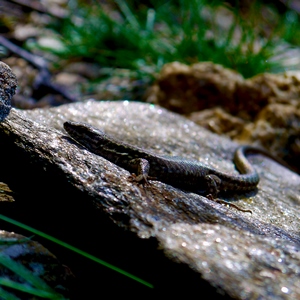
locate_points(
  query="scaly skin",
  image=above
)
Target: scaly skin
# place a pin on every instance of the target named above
(188, 174)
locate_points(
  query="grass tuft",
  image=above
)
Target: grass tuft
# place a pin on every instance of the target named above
(144, 37)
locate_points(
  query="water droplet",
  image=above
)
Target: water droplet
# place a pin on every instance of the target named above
(205, 264)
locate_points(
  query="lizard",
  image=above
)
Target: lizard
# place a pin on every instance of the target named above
(191, 175)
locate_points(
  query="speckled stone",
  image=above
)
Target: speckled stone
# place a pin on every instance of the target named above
(247, 256)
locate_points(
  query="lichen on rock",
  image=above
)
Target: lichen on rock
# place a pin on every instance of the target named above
(8, 85)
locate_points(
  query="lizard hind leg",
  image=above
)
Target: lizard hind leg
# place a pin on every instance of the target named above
(213, 183)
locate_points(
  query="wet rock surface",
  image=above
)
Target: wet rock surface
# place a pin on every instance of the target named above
(241, 254)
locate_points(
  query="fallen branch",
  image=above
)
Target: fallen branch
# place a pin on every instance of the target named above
(42, 84)
(56, 12)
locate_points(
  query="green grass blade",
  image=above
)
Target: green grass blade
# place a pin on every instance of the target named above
(28, 289)
(25, 273)
(7, 296)
(76, 250)
(128, 14)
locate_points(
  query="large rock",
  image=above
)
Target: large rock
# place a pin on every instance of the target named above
(244, 255)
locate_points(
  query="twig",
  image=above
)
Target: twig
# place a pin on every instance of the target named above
(43, 79)
(56, 12)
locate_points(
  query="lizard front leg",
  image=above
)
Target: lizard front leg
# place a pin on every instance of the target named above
(142, 167)
(213, 184)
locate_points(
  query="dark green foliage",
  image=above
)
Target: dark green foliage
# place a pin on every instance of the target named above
(144, 37)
